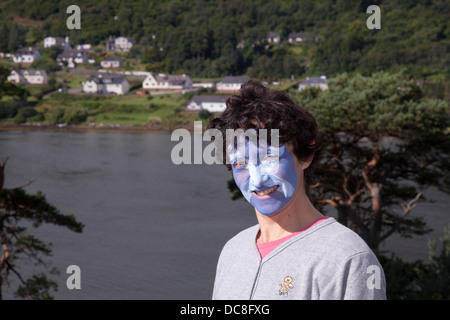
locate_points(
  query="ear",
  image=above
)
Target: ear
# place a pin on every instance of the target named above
(307, 163)
(303, 164)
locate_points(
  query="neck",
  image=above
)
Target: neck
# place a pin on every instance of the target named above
(296, 215)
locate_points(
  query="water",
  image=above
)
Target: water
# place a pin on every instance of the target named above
(153, 230)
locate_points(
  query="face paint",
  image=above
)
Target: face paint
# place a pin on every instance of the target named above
(268, 183)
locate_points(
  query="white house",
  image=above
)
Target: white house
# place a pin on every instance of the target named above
(215, 103)
(231, 84)
(318, 82)
(119, 44)
(299, 37)
(166, 82)
(111, 62)
(205, 85)
(28, 76)
(56, 41)
(123, 43)
(93, 85)
(117, 85)
(26, 55)
(84, 46)
(273, 37)
(105, 85)
(72, 56)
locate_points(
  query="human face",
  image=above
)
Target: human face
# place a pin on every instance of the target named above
(268, 183)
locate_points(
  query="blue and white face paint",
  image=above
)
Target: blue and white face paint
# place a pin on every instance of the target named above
(265, 175)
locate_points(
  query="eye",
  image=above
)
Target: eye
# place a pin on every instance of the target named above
(270, 158)
(239, 164)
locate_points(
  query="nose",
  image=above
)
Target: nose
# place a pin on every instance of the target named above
(256, 178)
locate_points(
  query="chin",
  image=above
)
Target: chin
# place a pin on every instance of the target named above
(270, 213)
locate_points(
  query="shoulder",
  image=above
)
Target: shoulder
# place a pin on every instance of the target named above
(247, 234)
(345, 262)
(344, 249)
(340, 239)
(243, 241)
(329, 241)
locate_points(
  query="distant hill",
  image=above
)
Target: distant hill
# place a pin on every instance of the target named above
(217, 38)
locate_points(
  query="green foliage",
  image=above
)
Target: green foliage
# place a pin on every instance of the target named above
(387, 104)
(20, 118)
(280, 61)
(67, 115)
(204, 114)
(74, 115)
(10, 89)
(435, 277)
(400, 276)
(28, 112)
(218, 38)
(55, 115)
(38, 287)
(4, 35)
(46, 64)
(8, 109)
(418, 280)
(16, 37)
(19, 204)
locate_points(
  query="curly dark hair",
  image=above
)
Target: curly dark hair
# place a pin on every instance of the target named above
(256, 106)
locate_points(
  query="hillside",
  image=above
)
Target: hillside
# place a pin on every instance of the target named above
(216, 38)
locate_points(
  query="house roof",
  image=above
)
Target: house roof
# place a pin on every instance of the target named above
(114, 80)
(58, 40)
(26, 51)
(314, 80)
(71, 53)
(273, 35)
(235, 79)
(31, 72)
(95, 79)
(172, 79)
(107, 80)
(209, 99)
(302, 35)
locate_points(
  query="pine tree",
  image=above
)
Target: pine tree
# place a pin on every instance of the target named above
(17, 205)
(384, 144)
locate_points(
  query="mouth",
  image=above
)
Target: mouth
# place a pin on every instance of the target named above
(266, 192)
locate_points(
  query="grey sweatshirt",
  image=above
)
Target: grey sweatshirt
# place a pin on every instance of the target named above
(327, 261)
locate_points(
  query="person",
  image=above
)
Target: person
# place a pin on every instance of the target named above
(294, 252)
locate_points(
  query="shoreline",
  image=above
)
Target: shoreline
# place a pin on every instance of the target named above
(90, 128)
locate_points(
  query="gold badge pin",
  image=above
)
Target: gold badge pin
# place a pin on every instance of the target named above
(286, 285)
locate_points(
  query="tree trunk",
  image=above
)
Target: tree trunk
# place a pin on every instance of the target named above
(377, 215)
(2, 174)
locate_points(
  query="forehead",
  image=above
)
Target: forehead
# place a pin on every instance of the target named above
(253, 150)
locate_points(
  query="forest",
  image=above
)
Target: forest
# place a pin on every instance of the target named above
(211, 39)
